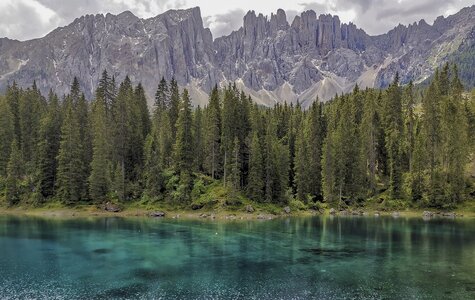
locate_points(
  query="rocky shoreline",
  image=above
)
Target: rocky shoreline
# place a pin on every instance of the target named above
(248, 213)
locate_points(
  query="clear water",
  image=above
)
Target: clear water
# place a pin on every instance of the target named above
(296, 258)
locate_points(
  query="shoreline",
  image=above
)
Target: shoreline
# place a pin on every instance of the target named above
(93, 211)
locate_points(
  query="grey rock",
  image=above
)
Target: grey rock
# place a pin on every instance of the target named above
(427, 214)
(111, 207)
(332, 211)
(396, 214)
(157, 214)
(287, 210)
(249, 208)
(267, 58)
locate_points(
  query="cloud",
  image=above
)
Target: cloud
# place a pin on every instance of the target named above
(379, 16)
(26, 19)
(224, 24)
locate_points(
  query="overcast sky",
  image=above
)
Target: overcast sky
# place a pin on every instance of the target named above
(26, 19)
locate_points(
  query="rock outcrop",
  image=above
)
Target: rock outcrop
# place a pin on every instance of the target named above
(268, 57)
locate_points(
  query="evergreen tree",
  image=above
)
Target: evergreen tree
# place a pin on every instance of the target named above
(235, 166)
(48, 148)
(7, 134)
(369, 142)
(198, 137)
(14, 175)
(99, 179)
(255, 188)
(70, 172)
(213, 135)
(174, 107)
(153, 169)
(184, 147)
(393, 123)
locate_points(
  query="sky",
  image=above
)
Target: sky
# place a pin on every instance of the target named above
(27, 19)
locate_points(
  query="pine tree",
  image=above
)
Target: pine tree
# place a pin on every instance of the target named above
(154, 182)
(7, 134)
(393, 125)
(183, 150)
(456, 141)
(418, 166)
(48, 148)
(213, 135)
(235, 166)
(162, 96)
(85, 140)
(431, 119)
(174, 107)
(255, 188)
(70, 158)
(99, 179)
(13, 99)
(14, 175)
(369, 143)
(276, 166)
(198, 137)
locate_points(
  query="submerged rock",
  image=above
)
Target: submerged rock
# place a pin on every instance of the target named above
(157, 214)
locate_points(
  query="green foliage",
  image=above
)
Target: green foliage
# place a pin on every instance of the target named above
(391, 149)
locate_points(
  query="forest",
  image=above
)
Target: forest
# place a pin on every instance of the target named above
(404, 146)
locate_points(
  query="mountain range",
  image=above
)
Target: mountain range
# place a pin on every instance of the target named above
(268, 57)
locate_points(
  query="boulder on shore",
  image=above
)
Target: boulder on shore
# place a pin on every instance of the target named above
(332, 211)
(427, 214)
(287, 210)
(157, 214)
(111, 207)
(196, 206)
(249, 208)
(396, 214)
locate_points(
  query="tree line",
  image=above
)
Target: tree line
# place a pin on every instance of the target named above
(382, 145)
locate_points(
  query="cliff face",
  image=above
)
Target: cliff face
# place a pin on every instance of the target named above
(267, 57)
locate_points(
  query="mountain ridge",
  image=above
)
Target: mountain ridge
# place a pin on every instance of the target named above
(267, 57)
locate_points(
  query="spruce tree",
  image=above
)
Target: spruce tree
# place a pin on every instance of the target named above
(70, 158)
(7, 134)
(255, 188)
(212, 134)
(99, 179)
(393, 125)
(154, 182)
(183, 150)
(48, 148)
(14, 175)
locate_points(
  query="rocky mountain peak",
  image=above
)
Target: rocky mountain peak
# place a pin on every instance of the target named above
(267, 58)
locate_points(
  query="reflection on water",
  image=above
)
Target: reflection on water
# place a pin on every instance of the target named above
(321, 257)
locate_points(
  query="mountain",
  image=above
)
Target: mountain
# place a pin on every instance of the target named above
(268, 57)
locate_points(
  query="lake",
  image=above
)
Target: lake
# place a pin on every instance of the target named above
(286, 258)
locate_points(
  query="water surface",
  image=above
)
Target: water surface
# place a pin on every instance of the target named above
(295, 258)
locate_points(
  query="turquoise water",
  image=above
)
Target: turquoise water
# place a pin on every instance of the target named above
(295, 258)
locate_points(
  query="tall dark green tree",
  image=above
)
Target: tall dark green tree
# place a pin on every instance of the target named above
(7, 134)
(183, 150)
(14, 175)
(48, 148)
(255, 188)
(394, 127)
(99, 179)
